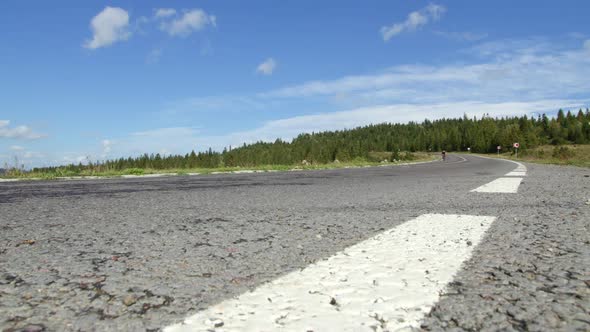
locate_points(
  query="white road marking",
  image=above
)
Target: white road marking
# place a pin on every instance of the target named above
(501, 185)
(520, 167)
(387, 282)
(505, 184)
(155, 175)
(516, 173)
(462, 159)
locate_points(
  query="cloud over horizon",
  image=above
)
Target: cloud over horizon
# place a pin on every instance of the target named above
(507, 78)
(181, 140)
(19, 132)
(189, 22)
(508, 70)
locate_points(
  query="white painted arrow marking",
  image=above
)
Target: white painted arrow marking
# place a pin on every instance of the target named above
(387, 282)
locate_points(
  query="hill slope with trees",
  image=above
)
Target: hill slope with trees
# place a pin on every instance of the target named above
(480, 135)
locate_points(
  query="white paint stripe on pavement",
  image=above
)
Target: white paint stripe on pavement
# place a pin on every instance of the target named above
(387, 282)
(520, 166)
(501, 185)
(155, 175)
(516, 173)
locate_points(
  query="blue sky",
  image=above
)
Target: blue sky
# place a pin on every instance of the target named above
(95, 79)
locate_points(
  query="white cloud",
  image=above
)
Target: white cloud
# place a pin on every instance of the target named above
(414, 21)
(190, 21)
(517, 71)
(16, 148)
(394, 77)
(109, 26)
(587, 44)
(19, 132)
(506, 49)
(267, 67)
(164, 12)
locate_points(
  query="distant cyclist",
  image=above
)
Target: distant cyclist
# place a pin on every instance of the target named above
(444, 155)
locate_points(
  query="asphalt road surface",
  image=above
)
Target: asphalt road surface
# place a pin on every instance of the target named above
(142, 254)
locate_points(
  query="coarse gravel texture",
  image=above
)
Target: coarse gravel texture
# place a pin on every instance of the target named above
(140, 254)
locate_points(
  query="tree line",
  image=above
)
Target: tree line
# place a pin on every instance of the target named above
(478, 134)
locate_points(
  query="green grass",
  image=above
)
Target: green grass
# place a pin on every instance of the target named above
(64, 172)
(575, 155)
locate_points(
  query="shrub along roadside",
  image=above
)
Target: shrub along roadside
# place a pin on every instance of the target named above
(574, 154)
(358, 162)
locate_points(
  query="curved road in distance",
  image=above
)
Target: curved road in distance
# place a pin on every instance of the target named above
(144, 253)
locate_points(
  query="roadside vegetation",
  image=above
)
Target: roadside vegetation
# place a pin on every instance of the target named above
(74, 171)
(573, 154)
(541, 139)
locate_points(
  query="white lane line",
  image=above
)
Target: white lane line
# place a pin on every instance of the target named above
(507, 184)
(501, 185)
(520, 170)
(385, 283)
(462, 159)
(515, 173)
(155, 175)
(520, 167)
